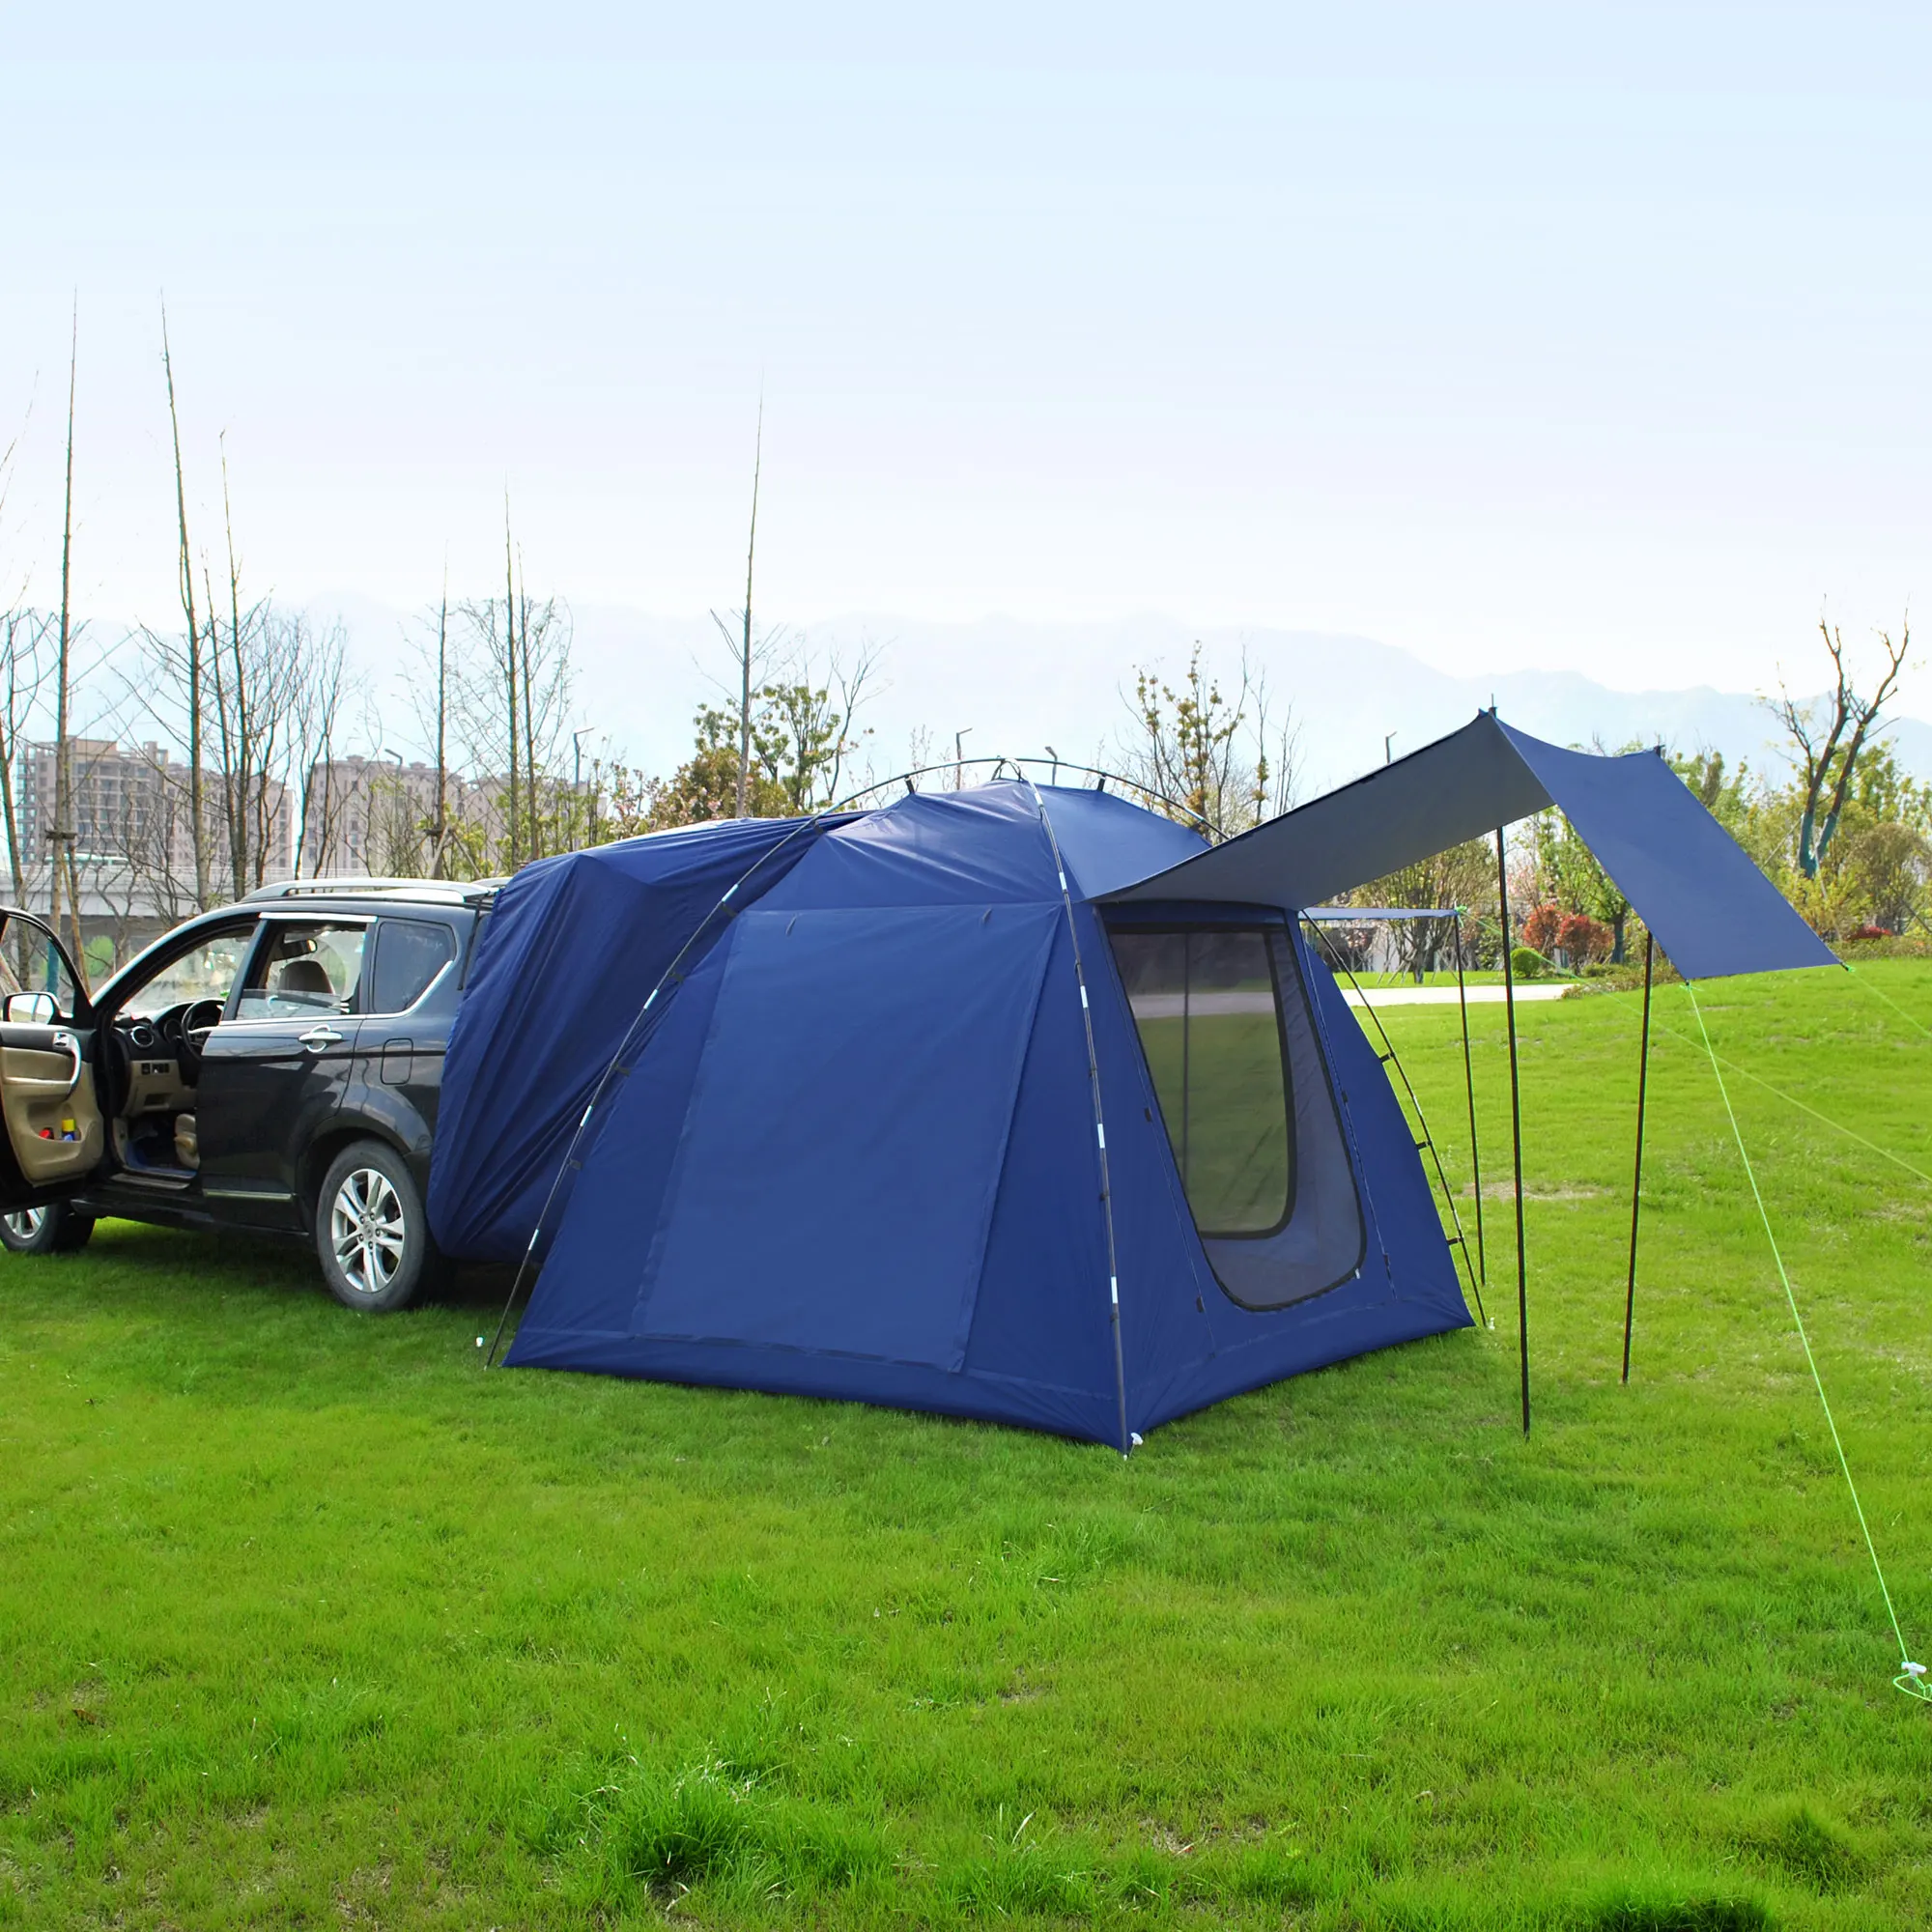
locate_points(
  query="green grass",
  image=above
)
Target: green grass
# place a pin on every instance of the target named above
(306, 1621)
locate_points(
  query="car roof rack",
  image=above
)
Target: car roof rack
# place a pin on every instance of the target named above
(445, 891)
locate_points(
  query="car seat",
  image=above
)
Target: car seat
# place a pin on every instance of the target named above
(305, 975)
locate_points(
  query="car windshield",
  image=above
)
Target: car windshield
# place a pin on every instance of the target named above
(205, 971)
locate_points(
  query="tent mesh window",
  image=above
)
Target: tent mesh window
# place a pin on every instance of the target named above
(1207, 1003)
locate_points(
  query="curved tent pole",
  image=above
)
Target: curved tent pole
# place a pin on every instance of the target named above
(1162, 798)
(633, 1034)
(1100, 1121)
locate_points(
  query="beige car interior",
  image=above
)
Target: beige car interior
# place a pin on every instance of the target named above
(156, 1087)
(53, 1116)
(53, 1119)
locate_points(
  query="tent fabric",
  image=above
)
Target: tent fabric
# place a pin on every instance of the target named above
(565, 960)
(856, 1157)
(888, 1132)
(1713, 911)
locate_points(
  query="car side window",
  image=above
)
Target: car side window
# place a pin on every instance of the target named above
(410, 952)
(303, 967)
(205, 971)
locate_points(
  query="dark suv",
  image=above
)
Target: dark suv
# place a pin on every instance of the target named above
(272, 1066)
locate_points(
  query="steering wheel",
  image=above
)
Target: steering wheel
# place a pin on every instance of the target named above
(194, 1022)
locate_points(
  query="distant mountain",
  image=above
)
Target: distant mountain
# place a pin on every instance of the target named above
(1018, 686)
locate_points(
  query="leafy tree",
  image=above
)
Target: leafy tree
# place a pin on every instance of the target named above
(1571, 875)
(1541, 927)
(1582, 938)
(1885, 874)
(1464, 875)
(1207, 759)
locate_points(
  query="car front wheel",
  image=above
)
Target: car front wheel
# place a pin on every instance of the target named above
(55, 1229)
(371, 1232)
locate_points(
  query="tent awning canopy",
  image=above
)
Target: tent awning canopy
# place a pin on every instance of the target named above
(1691, 884)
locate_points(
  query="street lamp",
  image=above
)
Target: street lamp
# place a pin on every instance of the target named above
(577, 739)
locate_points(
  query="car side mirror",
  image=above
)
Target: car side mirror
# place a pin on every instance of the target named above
(31, 1009)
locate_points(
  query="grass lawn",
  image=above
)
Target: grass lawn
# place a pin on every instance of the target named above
(306, 1621)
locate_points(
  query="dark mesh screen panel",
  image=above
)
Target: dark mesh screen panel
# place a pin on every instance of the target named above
(1209, 1023)
(1248, 1103)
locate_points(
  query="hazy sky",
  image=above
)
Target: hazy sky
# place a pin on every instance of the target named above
(1556, 335)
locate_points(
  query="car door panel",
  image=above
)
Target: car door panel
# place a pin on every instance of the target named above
(53, 1137)
(413, 991)
(54, 1132)
(279, 1068)
(268, 1088)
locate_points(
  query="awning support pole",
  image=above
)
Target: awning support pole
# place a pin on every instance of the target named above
(1516, 1127)
(1469, 1087)
(1636, 1180)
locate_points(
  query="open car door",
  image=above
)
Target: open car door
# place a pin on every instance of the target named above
(54, 1136)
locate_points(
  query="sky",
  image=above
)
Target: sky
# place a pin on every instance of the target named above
(1563, 338)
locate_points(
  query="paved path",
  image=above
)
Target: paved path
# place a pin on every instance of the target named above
(1445, 996)
(1249, 999)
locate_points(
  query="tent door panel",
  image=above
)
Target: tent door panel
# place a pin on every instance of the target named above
(843, 1144)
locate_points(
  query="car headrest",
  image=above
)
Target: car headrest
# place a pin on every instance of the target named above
(305, 975)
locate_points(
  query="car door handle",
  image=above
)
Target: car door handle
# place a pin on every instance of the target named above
(319, 1036)
(64, 1043)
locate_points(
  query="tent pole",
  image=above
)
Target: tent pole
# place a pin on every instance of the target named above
(1127, 1435)
(1516, 1127)
(1636, 1180)
(1469, 1087)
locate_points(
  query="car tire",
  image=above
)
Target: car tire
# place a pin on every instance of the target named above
(54, 1230)
(371, 1234)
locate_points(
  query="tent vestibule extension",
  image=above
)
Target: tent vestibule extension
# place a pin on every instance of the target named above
(1696, 889)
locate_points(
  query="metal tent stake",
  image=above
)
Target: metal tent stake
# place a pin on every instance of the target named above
(1516, 1127)
(1636, 1180)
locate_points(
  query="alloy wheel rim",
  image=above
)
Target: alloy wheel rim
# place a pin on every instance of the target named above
(367, 1230)
(28, 1222)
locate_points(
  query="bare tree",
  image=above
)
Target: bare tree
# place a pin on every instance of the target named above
(191, 664)
(507, 695)
(315, 724)
(510, 677)
(439, 823)
(24, 671)
(1830, 735)
(748, 652)
(65, 880)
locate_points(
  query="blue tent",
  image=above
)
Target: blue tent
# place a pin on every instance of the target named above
(1016, 1102)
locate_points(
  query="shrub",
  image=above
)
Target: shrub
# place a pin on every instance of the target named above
(1541, 926)
(1582, 938)
(1527, 964)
